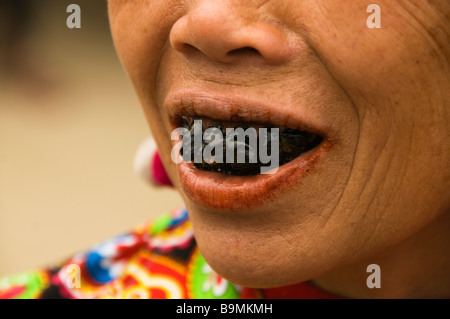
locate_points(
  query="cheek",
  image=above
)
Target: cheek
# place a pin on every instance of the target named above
(399, 83)
(140, 31)
(374, 64)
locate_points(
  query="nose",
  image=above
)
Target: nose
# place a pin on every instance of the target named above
(226, 32)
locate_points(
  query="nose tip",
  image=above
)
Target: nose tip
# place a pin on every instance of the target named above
(228, 34)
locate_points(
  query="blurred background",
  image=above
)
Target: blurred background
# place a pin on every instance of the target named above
(70, 126)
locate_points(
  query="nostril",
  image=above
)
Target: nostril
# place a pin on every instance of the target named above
(245, 51)
(186, 48)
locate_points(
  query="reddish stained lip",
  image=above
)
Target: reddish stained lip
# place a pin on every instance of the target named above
(227, 192)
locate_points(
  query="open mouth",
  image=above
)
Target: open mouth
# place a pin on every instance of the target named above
(234, 183)
(251, 144)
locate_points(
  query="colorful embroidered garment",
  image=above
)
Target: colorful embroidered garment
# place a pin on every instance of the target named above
(155, 261)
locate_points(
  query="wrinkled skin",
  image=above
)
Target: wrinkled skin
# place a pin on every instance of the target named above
(380, 195)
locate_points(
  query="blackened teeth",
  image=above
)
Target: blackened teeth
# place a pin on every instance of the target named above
(292, 143)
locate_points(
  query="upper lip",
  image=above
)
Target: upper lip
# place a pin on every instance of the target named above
(222, 106)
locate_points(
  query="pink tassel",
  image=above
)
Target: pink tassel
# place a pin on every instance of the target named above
(158, 172)
(148, 164)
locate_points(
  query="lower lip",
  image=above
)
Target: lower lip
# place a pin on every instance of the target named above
(227, 192)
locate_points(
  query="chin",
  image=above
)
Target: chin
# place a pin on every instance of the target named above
(248, 248)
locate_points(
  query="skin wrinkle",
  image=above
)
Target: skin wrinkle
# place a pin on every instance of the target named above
(322, 62)
(375, 231)
(385, 211)
(389, 194)
(401, 176)
(370, 177)
(315, 53)
(261, 3)
(438, 47)
(442, 114)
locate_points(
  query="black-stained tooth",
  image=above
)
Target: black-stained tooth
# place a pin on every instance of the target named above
(292, 143)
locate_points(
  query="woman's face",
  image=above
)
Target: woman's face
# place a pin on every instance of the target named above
(378, 97)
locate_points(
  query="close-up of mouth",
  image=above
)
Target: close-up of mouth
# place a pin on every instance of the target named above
(225, 149)
(230, 183)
